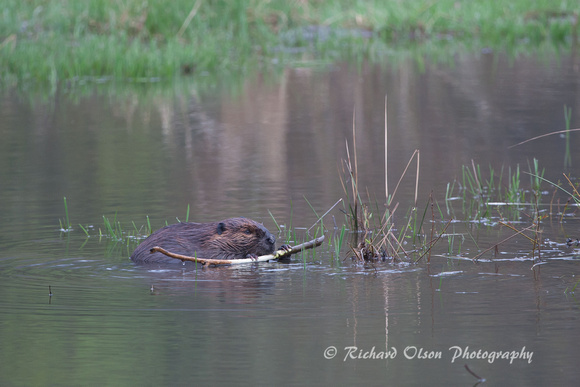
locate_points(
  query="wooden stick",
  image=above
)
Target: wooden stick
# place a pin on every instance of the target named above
(278, 254)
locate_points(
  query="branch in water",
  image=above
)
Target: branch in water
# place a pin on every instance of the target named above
(282, 253)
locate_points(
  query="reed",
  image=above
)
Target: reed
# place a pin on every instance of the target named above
(373, 230)
(481, 193)
(567, 153)
(65, 225)
(536, 177)
(85, 230)
(286, 231)
(338, 242)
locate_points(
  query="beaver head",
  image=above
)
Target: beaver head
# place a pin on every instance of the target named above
(236, 238)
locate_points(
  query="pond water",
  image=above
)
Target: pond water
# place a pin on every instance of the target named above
(276, 144)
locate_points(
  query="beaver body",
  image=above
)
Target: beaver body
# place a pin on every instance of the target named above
(233, 238)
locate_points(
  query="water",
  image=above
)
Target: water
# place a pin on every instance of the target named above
(266, 146)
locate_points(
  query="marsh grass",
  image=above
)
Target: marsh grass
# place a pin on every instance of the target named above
(516, 203)
(482, 196)
(374, 235)
(74, 41)
(113, 230)
(515, 198)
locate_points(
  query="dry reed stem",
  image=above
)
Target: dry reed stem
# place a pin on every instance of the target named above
(434, 242)
(354, 146)
(391, 214)
(564, 210)
(475, 176)
(417, 176)
(516, 230)
(432, 225)
(405, 171)
(390, 233)
(499, 243)
(572, 185)
(543, 135)
(326, 213)
(386, 162)
(354, 209)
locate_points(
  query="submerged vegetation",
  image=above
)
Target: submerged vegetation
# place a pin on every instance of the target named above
(48, 42)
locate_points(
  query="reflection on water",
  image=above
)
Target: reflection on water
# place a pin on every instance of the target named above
(263, 149)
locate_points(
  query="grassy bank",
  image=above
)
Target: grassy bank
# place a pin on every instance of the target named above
(52, 41)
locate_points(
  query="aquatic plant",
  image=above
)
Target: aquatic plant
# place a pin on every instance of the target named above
(566, 291)
(286, 231)
(338, 242)
(373, 230)
(567, 154)
(65, 225)
(112, 228)
(85, 230)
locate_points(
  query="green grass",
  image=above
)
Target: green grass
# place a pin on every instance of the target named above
(478, 190)
(112, 229)
(65, 225)
(48, 42)
(338, 243)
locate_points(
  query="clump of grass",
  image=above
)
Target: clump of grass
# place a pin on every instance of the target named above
(536, 177)
(374, 232)
(472, 180)
(112, 228)
(514, 198)
(480, 194)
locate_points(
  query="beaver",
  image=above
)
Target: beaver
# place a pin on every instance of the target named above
(233, 238)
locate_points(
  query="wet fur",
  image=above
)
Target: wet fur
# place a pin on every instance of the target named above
(233, 238)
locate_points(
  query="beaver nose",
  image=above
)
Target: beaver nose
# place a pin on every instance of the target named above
(271, 239)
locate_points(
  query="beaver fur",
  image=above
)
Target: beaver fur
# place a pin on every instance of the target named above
(233, 238)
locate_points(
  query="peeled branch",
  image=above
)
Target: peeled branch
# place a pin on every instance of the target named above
(282, 253)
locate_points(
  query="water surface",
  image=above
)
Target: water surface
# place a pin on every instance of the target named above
(265, 147)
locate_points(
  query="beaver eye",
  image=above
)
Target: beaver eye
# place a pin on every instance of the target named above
(248, 231)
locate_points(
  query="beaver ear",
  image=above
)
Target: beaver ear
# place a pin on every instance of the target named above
(221, 228)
